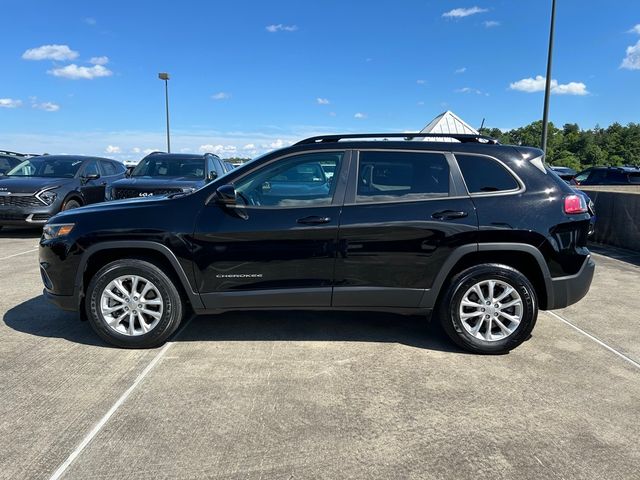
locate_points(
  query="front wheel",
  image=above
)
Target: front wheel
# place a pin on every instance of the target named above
(70, 205)
(489, 309)
(133, 304)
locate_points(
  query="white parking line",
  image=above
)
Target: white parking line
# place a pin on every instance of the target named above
(597, 340)
(96, 429)
(21, 253)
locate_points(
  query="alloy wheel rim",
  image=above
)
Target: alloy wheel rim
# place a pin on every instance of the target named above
(131, 305)
(491, 310)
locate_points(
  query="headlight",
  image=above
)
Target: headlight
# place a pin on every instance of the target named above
(47, 197)
(55, 230)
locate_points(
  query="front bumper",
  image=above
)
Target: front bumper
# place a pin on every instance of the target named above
(65, 302)
(565, 291)
(26, 216)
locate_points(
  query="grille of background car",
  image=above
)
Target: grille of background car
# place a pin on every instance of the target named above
(19, 201)
(132, 192)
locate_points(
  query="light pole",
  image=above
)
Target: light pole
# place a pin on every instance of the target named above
(547, 90)
(165, 76)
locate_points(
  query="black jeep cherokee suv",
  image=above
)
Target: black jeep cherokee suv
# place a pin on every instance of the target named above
(39, 187)
(481, 233)
(164, 173)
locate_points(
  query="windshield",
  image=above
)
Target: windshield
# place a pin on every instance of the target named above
(46, 167)
(161, 166)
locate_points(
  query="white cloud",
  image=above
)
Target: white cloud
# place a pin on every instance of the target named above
(632, 60)
(421, 82)
(46, 106)
(635, 29)
(537, 84)
(112, 149)
(461, 70)
(463, 12)
(332, 114)
(10, 103)
(220, 150)
(360, 115)
(74, 72)
(185, 150)
(249, 146)
(471, 90)
(420, 103)
(221, 96)
(322, 101)
(147, 151)
(50, 52)
(491, 23)
(281, 28)
(90, 21)
(99, 60)
(136, 150)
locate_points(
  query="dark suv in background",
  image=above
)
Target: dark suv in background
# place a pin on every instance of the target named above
(609, 176)
(482, 234)
(165, 173)
(39, 187)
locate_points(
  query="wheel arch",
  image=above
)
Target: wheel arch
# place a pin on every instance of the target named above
(73, 195)
(525, 258)
(96, 256)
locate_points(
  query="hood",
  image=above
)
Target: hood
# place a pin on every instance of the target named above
(71, 215)
(29, 184)
(155, 182)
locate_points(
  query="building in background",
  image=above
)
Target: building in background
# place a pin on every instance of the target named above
(447, 122)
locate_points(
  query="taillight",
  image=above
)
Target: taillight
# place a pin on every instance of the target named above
(574, 204)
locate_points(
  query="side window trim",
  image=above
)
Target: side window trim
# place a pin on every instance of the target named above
(521, 185)
(338, 195)
(456, 188)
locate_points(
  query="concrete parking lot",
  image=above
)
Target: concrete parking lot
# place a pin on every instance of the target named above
(297, 395)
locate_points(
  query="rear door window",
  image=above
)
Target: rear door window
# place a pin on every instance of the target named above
(401, 176)
(108, 168)
(485, 175)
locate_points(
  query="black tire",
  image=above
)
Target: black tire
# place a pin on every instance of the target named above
(449, 308)
(70, 204)
(171, 301)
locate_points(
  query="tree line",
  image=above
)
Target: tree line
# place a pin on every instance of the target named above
(570, 146)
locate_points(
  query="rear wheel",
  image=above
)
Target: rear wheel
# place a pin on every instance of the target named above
(133, 304)
(489, 309)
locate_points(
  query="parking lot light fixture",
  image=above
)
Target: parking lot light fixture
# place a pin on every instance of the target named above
(165, 76)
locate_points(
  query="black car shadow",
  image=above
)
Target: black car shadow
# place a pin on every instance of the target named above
(38, 317)
(20, 232)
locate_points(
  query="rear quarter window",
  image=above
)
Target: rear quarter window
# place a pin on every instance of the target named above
(485, 175)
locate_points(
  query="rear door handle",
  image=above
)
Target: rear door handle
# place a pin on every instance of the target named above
(448, 215)
(313, 220)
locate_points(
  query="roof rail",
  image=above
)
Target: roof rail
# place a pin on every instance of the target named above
(462, 138)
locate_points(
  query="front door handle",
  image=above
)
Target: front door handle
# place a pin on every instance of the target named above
(313, 220)
(448, 215)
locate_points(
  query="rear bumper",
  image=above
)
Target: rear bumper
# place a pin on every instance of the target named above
(565, 291)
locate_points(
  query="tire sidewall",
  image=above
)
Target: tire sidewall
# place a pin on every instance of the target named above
(73, 203)
(459, 286)
(172, 306)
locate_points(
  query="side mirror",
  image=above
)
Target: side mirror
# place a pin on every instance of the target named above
(92, 176)
(226, 195)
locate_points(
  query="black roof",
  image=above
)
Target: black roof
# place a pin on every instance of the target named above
(179, 156)
(73, 158)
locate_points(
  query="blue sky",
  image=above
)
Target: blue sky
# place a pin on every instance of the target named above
(251, 76)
